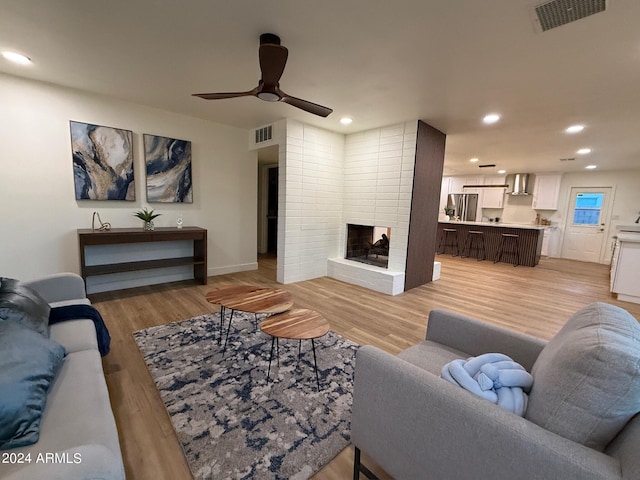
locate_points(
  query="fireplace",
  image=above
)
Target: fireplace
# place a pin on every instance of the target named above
(368, 244)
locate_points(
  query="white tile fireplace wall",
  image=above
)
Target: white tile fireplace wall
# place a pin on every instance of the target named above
(378, 183)
(327, 180)
(310, 195)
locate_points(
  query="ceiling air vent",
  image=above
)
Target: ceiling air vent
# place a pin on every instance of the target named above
(567, 159)
(560, 12)
(264, 134)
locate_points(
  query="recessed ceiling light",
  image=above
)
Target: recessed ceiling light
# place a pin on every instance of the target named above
(502, 171)
(17, 58)
(346, 120)
(473, 160)
(491, 118)
(575, 129)
(591, 167)
(584, 151)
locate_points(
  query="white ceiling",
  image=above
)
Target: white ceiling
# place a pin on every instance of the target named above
(447, 62)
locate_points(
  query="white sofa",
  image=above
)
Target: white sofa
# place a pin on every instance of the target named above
(78, 434)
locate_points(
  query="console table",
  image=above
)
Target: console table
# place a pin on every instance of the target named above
(89, 237)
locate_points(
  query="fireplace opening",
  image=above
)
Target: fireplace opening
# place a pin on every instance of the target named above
(368, 244)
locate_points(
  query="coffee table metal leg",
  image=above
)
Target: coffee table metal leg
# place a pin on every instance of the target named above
(228, 329)
(222, 314)
(273, 341)
(315, 362)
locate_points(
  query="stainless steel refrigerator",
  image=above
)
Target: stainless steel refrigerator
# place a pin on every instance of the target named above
(464, 205)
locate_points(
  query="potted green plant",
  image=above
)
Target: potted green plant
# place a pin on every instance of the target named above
(147, 217)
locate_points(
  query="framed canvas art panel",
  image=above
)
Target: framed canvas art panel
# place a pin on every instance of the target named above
(168, 166)
(102, 162)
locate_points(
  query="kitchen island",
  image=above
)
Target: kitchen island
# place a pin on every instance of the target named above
(529, 239)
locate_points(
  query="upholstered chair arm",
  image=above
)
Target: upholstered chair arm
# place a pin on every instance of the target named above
(475, 337)
(59, 287)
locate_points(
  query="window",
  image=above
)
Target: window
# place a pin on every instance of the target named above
(588, 208)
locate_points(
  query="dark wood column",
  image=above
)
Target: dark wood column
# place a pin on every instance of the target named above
(425, 201)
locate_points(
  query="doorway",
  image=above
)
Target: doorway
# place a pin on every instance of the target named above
(587, 224)
(272, 210)
(268, 200)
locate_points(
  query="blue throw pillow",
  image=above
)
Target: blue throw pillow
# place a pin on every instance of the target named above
(28, 365)
(21, 304)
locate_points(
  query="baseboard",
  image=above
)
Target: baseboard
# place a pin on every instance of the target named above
(242, 267)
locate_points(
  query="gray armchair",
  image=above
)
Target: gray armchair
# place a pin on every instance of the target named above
(416, 425)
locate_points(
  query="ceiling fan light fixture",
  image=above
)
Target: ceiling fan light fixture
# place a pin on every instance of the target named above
(268, 96)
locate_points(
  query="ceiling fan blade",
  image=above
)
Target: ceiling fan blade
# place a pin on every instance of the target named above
(219, 96)
(273, 58)
(304, 104)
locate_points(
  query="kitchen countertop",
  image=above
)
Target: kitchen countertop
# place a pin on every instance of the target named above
(632, 237)
(498, 224)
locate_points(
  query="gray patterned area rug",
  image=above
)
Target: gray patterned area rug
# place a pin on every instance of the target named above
(231, 422)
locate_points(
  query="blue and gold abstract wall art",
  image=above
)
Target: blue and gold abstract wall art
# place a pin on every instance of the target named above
(168, 163)
(102, 162)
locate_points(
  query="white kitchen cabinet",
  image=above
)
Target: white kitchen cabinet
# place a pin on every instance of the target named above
(493, 197)
(445, 189)
(456, 184)
(626, 267)
(546, 192)
(545, 243)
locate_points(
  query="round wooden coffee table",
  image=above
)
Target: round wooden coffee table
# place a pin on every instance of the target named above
(248, 298)
(298, 324)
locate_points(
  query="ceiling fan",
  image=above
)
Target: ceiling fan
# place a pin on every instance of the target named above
(273, 58)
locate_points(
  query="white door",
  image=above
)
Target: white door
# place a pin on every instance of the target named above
(589, 212)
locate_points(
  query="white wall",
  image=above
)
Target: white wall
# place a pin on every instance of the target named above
(39, 214)
(310, 201)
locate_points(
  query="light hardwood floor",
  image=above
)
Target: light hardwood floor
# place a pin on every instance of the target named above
(536, 301)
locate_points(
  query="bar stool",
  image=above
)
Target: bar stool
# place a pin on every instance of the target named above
(475, 241)
(449, 238)
(510, 240)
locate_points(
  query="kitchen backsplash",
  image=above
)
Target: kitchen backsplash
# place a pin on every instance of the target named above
(518, 209)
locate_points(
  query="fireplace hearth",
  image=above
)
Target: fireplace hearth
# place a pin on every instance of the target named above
(368, 244)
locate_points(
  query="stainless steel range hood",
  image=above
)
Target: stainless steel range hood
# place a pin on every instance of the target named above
(520, 184)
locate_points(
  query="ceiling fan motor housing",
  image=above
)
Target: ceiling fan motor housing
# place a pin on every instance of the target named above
(270, 38)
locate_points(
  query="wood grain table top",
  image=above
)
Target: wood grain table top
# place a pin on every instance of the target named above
(298, 324)
(251, 298)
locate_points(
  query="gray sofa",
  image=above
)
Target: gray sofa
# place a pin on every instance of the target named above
(416, 425)
(78, 434)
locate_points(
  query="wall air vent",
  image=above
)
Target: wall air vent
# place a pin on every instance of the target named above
(560, 12)
(264, 134)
